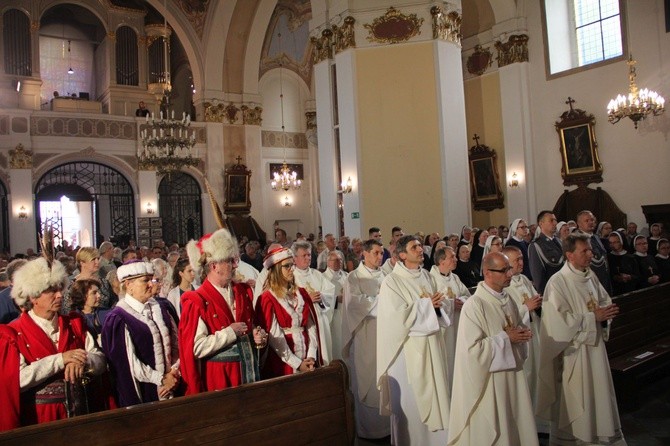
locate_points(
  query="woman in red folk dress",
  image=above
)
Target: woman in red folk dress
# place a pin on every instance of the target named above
(287, 314)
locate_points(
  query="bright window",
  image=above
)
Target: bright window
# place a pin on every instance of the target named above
(582, 32)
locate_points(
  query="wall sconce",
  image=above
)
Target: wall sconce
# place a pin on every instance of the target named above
(150, 210)
(514, 181)
(23, 214)
(346, 187)
(286, 201)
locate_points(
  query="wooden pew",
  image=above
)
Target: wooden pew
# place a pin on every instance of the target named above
(309, 408)
(639, 343)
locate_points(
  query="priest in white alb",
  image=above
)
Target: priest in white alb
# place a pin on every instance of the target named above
(359, 337)
(337, 276)
(575, 389)
(528, 300)
(320, 290)
(456, 293)
(412, 366)
(491, 404)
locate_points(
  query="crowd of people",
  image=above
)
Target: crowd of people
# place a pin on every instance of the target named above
(479, 337)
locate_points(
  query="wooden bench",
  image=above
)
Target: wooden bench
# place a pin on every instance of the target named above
(310, 408)
(639, 343)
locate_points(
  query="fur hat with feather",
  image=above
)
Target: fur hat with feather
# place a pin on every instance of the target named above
(35, 277)
(214, 247)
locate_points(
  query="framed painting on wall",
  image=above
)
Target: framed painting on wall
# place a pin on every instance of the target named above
(237, 179)
(578, 147)
(484, 178)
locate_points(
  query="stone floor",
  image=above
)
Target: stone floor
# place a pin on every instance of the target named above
(647, 426)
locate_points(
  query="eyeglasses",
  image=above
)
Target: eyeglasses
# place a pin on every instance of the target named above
(501, 271)
(231, 260)
(288, 266)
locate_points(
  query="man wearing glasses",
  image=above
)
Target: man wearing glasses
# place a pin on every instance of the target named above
(216, 329)
(575, 390)
(491, 402)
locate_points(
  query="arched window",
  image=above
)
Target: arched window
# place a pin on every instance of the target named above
(126, 57)
(581, 33)
(17, 48)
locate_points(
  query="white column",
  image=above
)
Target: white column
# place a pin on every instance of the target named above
(349, 145)
(326, 155)
(516, 117)
(453, 137)
(21, 230)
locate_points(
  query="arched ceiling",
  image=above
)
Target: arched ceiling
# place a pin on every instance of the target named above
(477, 17)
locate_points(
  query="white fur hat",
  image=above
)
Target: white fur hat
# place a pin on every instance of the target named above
(217, 246)
(134, 269)
(35, 277)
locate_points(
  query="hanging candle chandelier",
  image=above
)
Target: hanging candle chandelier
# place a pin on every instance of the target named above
(638, 104)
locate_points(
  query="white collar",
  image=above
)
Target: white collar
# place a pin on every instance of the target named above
(136, 304)
(497, 295)
(662, 257)
(46, 325)
(639, 254)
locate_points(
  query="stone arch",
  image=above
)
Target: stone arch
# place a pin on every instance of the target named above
(255, 45)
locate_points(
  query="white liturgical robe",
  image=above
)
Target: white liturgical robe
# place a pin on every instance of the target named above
(337, 278)
(491, 403)
(359, 336)
(580, 402)
(412, 369)
(521, 289)
(453, 288)
(312, 280)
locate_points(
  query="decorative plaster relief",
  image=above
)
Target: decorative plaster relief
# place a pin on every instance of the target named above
(82, 127)
(283, 139)
(479, 61)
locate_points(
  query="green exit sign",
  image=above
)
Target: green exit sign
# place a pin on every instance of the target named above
(355, 215)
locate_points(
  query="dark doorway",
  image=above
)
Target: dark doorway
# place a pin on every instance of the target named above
(180, 205)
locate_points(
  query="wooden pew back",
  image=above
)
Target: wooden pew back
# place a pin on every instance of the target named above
(308, 408)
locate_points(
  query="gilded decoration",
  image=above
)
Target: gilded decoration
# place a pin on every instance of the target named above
(111, 35)
(343, 36)
(393, 27)
(479, 61)
(20, 158)
(229, 113)
(196, 13)
(446, 26)
(34, 26)
(513, 51)
(252, 116)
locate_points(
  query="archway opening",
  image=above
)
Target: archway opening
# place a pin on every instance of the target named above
(180, 205)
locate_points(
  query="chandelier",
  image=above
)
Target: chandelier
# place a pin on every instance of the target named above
(167, 143)
(638, 104)
(285, 179)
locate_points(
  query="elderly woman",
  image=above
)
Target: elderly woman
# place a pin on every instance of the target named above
(646, 264)
(655, 231)
(54, 351)
(562, 230)
(493, 244)
(467, 270)
(140, 340)
(288, 315)
(85, 296)
(603, 231)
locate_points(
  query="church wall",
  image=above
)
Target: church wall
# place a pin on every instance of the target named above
(399, 173)
(635, 162)
(484, 117)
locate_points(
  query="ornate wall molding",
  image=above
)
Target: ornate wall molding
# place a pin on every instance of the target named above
(394, 27)
(20, 158)
(513, 51)
(288, 140)
(232, 113)
(322, 46)
(196, 13)
(82, 127)
(310, 119)
(344, 36)
(479, 61)
(446, 26)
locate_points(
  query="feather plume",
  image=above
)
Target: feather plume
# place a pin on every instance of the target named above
(218, 215)
(47, 244)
